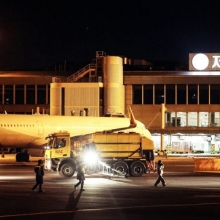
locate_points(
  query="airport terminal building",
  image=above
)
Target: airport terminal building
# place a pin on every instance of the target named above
(191, 96)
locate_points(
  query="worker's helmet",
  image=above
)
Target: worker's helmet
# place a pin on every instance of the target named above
(40, 162)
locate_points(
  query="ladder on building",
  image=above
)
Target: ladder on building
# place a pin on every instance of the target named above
(105, 169)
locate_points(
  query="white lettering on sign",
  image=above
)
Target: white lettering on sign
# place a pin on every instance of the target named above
(216, 61)
(209, 61)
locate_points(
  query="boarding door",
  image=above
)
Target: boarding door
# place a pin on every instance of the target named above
(40, 128)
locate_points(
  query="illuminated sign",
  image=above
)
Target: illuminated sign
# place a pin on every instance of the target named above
(207, 61)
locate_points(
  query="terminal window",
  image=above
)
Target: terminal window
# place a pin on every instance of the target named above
(137, 94)
(19, 94)
(0, 94)
(170, 94)
(41, 94)
(181, 94)
(203, 94)
(30, 99)
(148, 94)
(215, 94)
(192, 94)
(159, 94)
(8, 94)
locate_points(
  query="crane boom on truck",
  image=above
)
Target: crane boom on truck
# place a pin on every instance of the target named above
(124, 152)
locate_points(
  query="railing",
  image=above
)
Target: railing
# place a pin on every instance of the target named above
(79, 74)
(56, 80)
(100, 54)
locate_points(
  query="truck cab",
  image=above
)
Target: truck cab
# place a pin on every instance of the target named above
(58, 155)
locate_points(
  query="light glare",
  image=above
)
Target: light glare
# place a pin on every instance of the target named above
(90, 157)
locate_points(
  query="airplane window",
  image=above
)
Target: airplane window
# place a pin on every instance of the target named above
(4, 125)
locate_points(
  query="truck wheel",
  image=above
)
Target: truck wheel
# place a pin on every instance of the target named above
(22, 157)
(67, 170)
(25, 157)
(137, 169)
(18, 157)
(121, 166)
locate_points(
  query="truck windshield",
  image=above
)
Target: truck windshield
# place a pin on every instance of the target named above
(56, 142)
(60, 142)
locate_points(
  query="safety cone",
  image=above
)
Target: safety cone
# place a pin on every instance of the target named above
(3, 155)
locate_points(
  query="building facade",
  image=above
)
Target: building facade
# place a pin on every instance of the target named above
(192, 97)
(23, 92)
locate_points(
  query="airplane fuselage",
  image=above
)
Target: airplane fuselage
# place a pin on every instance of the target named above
(31, 130)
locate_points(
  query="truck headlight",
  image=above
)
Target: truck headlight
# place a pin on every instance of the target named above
(90, 157)
(47, 147)
(47, 164)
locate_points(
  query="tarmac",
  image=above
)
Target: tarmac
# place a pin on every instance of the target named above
(11, 158)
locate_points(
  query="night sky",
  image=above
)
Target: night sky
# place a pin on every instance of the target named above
(39, 34)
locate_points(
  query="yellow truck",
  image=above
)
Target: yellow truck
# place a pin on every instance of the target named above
(126, 152)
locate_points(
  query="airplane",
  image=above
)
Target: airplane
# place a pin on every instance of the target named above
(29, 131)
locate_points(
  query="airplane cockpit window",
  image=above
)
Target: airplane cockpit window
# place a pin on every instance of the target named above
(60, 142)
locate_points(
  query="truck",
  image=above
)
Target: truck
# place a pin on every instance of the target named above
(125, 152)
